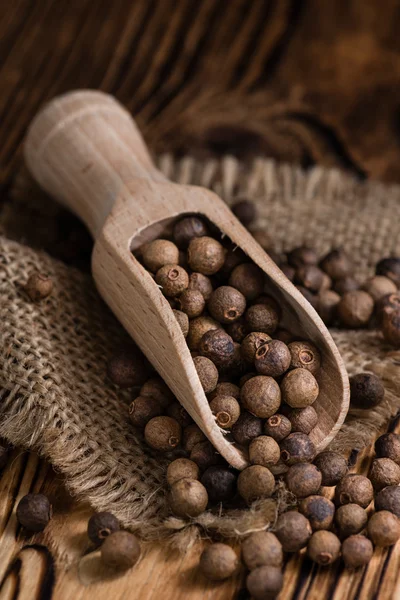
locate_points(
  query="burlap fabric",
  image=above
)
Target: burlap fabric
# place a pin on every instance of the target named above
(55, 396)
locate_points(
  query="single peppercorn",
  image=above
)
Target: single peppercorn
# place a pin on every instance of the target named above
(225, 388)
(310, 277)
(192, 435)
(192, 303)
(34, 512)
(188, 228)
(188, 498)
(262, 548)
(261, 317)
(261, 396)
(297, 448)
(383, 472)
(163, 433)
(357, 551)
(299, 388)
(157, 389)
(201, 283)
(391, 327)
(346, 284)
(183, 321)
(226, 410)
(264, 582)
(204, 455)
(226, 304)
(264, 451)
(384, 528)
(173, 280)
(128, 368)
(327, 304)
(350, 519)
(100, 526)
(237, 330)
(245, 211)
(218, 561)
(182, 468)
(38, 286)
(303, 419)
(248, 279)
(220, 483)
(177, 412)
(366, 390)
(207, 372)
(388, 446)
(255, 482)
(318, 510)
(304, 355)
(333, 467)
(389, 499)
(355, 309)
(302, 256)
(354, 489)
(336, 264)
(142, 409)
(272, 358)
(251, 343)
(278, 427)
(323, 547)
(205, 255)
(197, 328)
(389, 267)
(120, 550)
(246, 428)
(293, 531)
(159, 253)
(303, 479)
(379, 286)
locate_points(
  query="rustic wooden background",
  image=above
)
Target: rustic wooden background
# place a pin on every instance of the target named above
(306, 81)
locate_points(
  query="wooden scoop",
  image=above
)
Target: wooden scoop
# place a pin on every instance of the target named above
(85, 150)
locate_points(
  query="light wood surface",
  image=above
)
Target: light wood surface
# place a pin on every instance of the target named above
(85, 150)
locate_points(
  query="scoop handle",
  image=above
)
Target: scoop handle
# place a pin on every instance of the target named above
(83, 148)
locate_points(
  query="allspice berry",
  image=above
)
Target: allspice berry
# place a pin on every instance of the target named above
(389, 267)
(303, 419)
(180, 414)
(158, 253)
(38, 286)
(304, 355)
(163, 433)
(183, 321)
(289, 271)
(218, 561)
(173, 280)
(384, 528)
(323, 547)
(319, 511)
(225, 388)
(100, 526)
(128, 368)
(387, 304)
(354, 489)
(355, 309)
(237, 330)
(220, 483)
(264, 582)
(310, 277)
(278, 427)
(379, 286)
(120, 550)
(261, 317)
(293, 531)
(218, 346)
(226, 410)
(299, 388)
(188, 228)
(366, 390)
(245, 211)
(297, 448)
(303, 479)
(357, 551)
(204, 455)
(391, 327)
(262, 548)
(346, 284)
(207, 372)
(205, 255)
(388, 446)
(336, 264)
(182, 468)
(261, 396)
(383, 472)
(188, 498)
(327, 304)
(197, 328)
(226, 304)
(246, 428)
(142, 409)
(192, 435)
(251, 343)
(264, 451)
(350, 519)
(34, 512)
(192, 303)
(248, 279)
(301, 256)
(201, 283)
(255, 482)
(233, 257)
(272, 358)
(157, 389)
(333, 467)
(389, 499)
